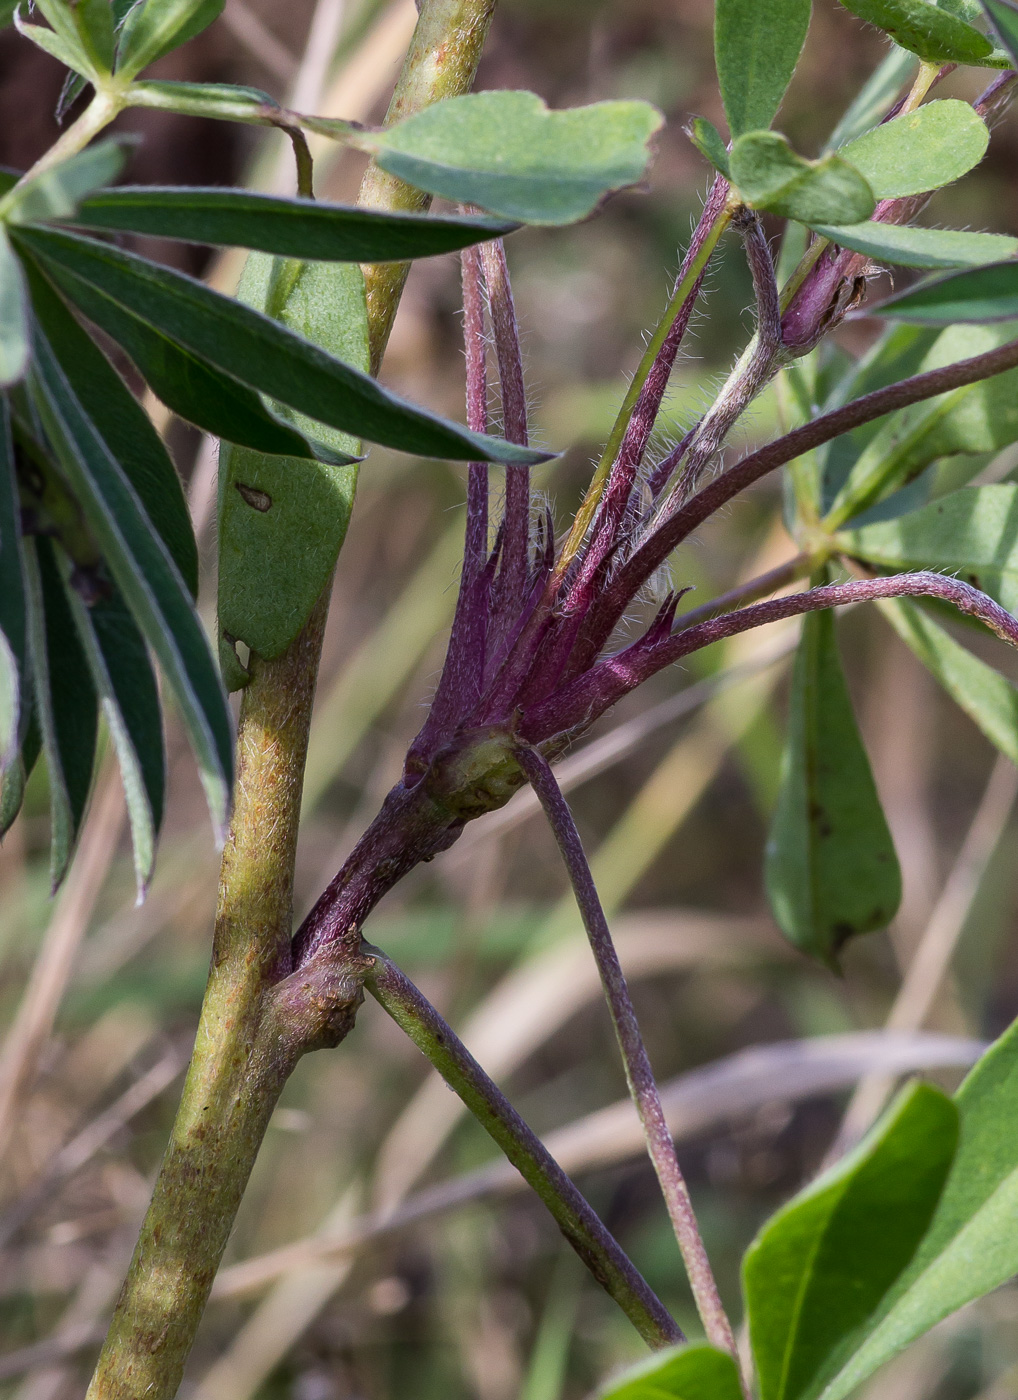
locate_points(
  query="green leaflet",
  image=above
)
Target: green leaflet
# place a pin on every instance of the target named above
(154, 27)
(66, 699)
(972, 533)
(13, 618)
(142, 570)
(508, 154)
(921, 150)
(123, 677)
(13, 315)
(972, 1244)
(933, 34)
(820, 1267)
(987, 697)
(979, 417)
(57, 192)
(186, 383)
(295, 228)
(263, 354)
(983, 294)
(756, 50)
(226, 102)
(123, 425)
(282, 520)
(678, 1373)
(771, 176)
(908, 246)
(831, 869)
(65, 51)
(710, 143)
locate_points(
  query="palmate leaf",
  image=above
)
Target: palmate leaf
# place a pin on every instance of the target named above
(143, 571)
(508, 154)
(983, 294)
(282, 521)
(820, 1267)
(678, 1373)
(831, 869)
(756, 50)
(66, 701)
(971, 1246)
(122, 423)
(921, 150)
(260, 352)
(296, 228)
(123, 677)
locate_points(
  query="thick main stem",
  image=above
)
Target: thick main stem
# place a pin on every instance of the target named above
(240, 1059)
(640, 1076)
(581, 1226)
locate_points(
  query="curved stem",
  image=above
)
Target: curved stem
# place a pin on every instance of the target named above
(598, 1249)
(639, 1074)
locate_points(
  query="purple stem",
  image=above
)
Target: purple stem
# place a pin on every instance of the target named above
(671, 531)
(589, 696)
(459, 687)
(640, 1076)
(581, 1226)
(502, 309)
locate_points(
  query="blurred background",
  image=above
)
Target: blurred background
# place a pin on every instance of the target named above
(378, 1254)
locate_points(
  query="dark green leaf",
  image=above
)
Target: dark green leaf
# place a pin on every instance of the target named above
(1004, 16)
(756, 50)
(13, 619)
(771, 176)
(7, 8)
(186, 383)
(820, 1267)
(282, 521)
(123, 677)
(831, 869)
(508, 154)
(979, 417)
(13, 315)
(921, 150)
(258, 351)
(123, 425)
(66, 699)
(989, 700)
(155, 27)
(972, 533)
(679, 1373)
(983, 294)
(57, 191)
(296, 228)
(8, 178)
(907, 246)
(144, 573)
(971, 1246)
(710, 143)
(931, 33)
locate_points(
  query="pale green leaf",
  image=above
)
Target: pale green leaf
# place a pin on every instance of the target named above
(13, 315)
(971, 1246)
(154, 27)
(821, 1266)
(678, 1373)
(973, 533)
(771, 176)
(508, 154)
(57, 191)
(921, 150)
(756, 50)
(908, 246)
(282, 519)
(9, 707)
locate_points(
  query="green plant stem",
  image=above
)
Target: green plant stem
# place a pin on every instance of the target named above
(256, 1021)
(583, 1229)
